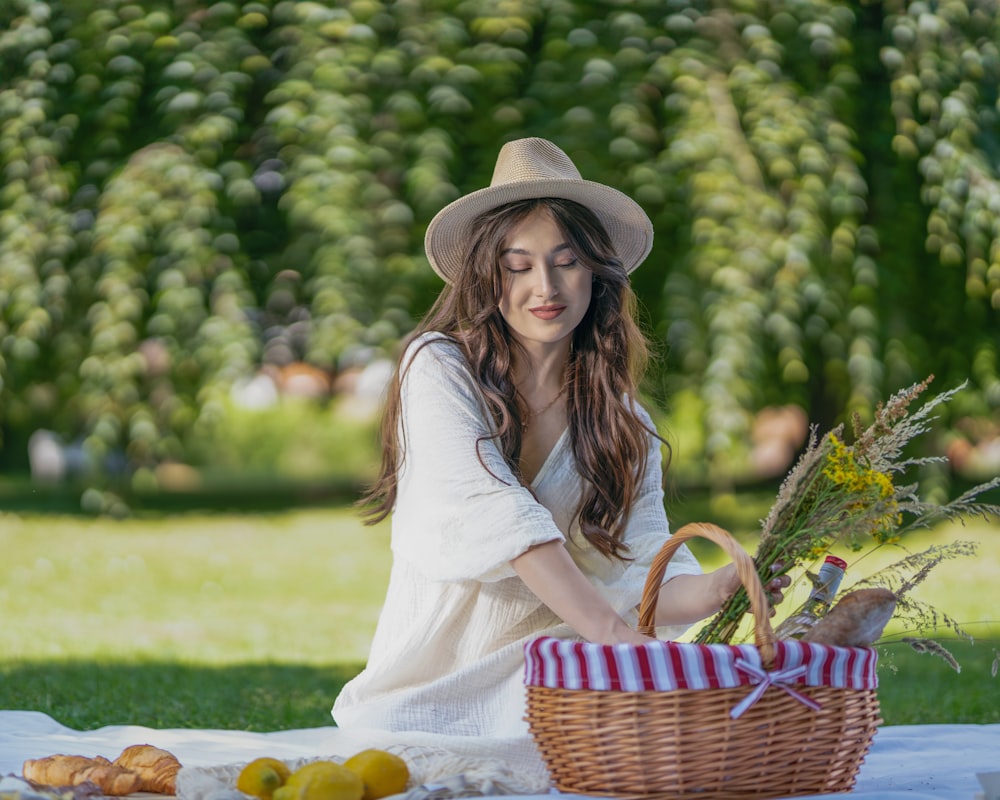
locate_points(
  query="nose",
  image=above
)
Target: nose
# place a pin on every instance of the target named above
(545, 285)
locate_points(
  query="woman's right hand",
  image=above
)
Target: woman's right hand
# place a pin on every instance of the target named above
(635, 637)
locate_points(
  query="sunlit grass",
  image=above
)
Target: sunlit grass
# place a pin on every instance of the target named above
(297, 588)
(85, 694)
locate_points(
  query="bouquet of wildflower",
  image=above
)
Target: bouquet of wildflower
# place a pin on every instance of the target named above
(851, 495)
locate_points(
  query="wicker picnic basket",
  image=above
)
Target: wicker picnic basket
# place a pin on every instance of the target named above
(805, 730)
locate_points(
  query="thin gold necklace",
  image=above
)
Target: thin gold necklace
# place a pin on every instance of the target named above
(532, 414)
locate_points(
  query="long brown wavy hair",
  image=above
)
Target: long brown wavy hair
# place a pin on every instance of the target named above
(608, 356)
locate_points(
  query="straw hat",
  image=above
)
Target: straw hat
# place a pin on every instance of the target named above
(529, 168)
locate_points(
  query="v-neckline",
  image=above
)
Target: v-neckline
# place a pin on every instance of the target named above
(547, 463)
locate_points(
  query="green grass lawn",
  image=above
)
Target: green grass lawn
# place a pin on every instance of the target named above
(301, 588)
(255, 621)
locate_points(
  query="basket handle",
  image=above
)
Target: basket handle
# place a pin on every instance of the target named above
(763, 633)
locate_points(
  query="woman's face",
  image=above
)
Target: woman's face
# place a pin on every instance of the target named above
(546, 290)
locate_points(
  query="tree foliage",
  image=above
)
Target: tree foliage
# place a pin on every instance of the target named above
(192, 189)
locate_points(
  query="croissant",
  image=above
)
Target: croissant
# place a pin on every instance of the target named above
(61, 770)
(856, 621)
(157, 768)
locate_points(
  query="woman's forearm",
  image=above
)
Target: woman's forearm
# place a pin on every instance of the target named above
(550, 573)
(685, 599)
(691, 598)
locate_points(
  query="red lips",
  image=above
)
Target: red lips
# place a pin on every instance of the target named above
(547, 312)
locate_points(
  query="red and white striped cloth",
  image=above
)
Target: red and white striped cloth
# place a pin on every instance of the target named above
(662, 666)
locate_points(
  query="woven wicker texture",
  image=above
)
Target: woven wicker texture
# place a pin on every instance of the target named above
(683, 743)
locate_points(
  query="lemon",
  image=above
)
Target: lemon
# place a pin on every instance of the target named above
(321, 780)
(383, 773)
(262, 776)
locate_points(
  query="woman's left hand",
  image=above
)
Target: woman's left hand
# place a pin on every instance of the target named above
(774, 589)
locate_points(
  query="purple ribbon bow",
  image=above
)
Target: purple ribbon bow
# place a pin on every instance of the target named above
(762, 679)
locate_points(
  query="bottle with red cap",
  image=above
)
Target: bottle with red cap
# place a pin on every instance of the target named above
(817, 604)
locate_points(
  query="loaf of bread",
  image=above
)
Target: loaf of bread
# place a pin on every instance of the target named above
(139, 768)
(157, 768)
(857, 620)
(62, 770)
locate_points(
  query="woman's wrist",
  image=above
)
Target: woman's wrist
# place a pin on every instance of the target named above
(725, 582)
(615, 631)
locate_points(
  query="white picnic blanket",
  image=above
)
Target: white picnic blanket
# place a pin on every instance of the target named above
(906, 762)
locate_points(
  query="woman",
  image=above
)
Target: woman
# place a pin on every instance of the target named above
(523, 477)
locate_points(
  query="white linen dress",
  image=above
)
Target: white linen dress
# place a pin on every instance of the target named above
(447, 655)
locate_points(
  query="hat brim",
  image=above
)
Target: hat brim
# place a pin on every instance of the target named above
(627, 225)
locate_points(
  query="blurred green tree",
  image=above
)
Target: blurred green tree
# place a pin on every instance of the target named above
(194, 190)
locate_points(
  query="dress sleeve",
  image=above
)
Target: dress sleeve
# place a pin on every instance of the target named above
(460, 513)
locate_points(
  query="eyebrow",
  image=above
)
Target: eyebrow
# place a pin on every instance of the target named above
(518, 251)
